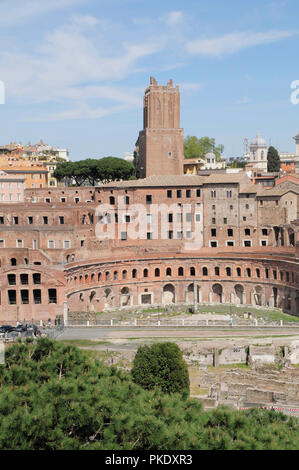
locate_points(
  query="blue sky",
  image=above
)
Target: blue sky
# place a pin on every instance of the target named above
(75, 70)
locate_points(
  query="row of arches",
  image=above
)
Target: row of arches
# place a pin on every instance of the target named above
(171, 293)
(273, 274)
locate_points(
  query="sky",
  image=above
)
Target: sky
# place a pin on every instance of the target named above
(75, 71)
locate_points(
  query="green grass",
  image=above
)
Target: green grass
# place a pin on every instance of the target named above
(82, 342)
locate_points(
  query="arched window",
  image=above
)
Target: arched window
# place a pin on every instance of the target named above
(239, 272)
(248, 271)
(13, 261)
(204, 271)
(99, 276)
(258, 273)
(134, 273)
(181, 271)
(157, 272)
(107, 275)
(168, 272)
(228, 271)
(145, 273)
(217, 271)
(192, 271)
(124, 274)
(115, 275)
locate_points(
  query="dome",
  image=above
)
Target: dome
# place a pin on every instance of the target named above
(210, 155)
(259, 142)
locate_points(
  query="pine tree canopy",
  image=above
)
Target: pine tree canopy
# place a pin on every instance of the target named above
(57, 397)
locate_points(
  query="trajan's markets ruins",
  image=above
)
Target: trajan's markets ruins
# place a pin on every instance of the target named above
(165, 238)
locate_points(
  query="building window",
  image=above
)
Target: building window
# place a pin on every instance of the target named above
(263, 242)
(24, 279)
(61, 220)
(11, 278)
(170, 218)
(12, 297)
(213, 244)
(30, 220)
(48, 200)
(275, 274)
(228, 271)
(66, 244)
(247, 231)
(36, 278)
(181, 272)
(45, 220)
(149, 199)
(134, 273)
(170, 235)
(179, 193)
(239, 272)
(213, 194)
(123, 235)
(145, 273)
(225, 220)
(51, 244)
(149, 236)
(25, 296)
(52, 296)
(157, 272)
(267, 273)
(112, 200)
(230, 232)
(62, 199)
(34, 244)
(37, 296)
(217, 271)
(247, 243)
(168, 272)
(188, 193)
(230, 243)
(149, 218)
(15, 220)
(1, 220)
(213, 221)
(204, 271)
(248, 271)
(19, 243)
(213, 232)
(258, 273)
(192, 271)
(229, 194)
(197, 217)
(169, 193)
(198, 193)
(265, 232)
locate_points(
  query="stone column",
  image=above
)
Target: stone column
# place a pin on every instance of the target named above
(65, 313)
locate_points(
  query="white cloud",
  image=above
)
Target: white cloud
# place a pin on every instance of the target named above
(174, 18)
(190, 86)
(80, 111)
(70, 65)
(234, 42)
(13, 12)
(243, 100)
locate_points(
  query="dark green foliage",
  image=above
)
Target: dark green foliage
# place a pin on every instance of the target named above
(161, 365)
(198, 148)
(273, 158)
(54, 396)
(91, 171)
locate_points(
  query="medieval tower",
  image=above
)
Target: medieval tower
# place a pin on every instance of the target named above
(161, 142)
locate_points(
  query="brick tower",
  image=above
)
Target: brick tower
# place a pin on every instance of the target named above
(161, 142)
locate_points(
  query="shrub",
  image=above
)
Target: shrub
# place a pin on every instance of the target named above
(161, 365)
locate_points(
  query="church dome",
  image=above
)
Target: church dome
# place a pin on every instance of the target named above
(210, 155)
(259, 142)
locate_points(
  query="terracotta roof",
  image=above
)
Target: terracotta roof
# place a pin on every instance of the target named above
(228, 178)
(160, 181)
